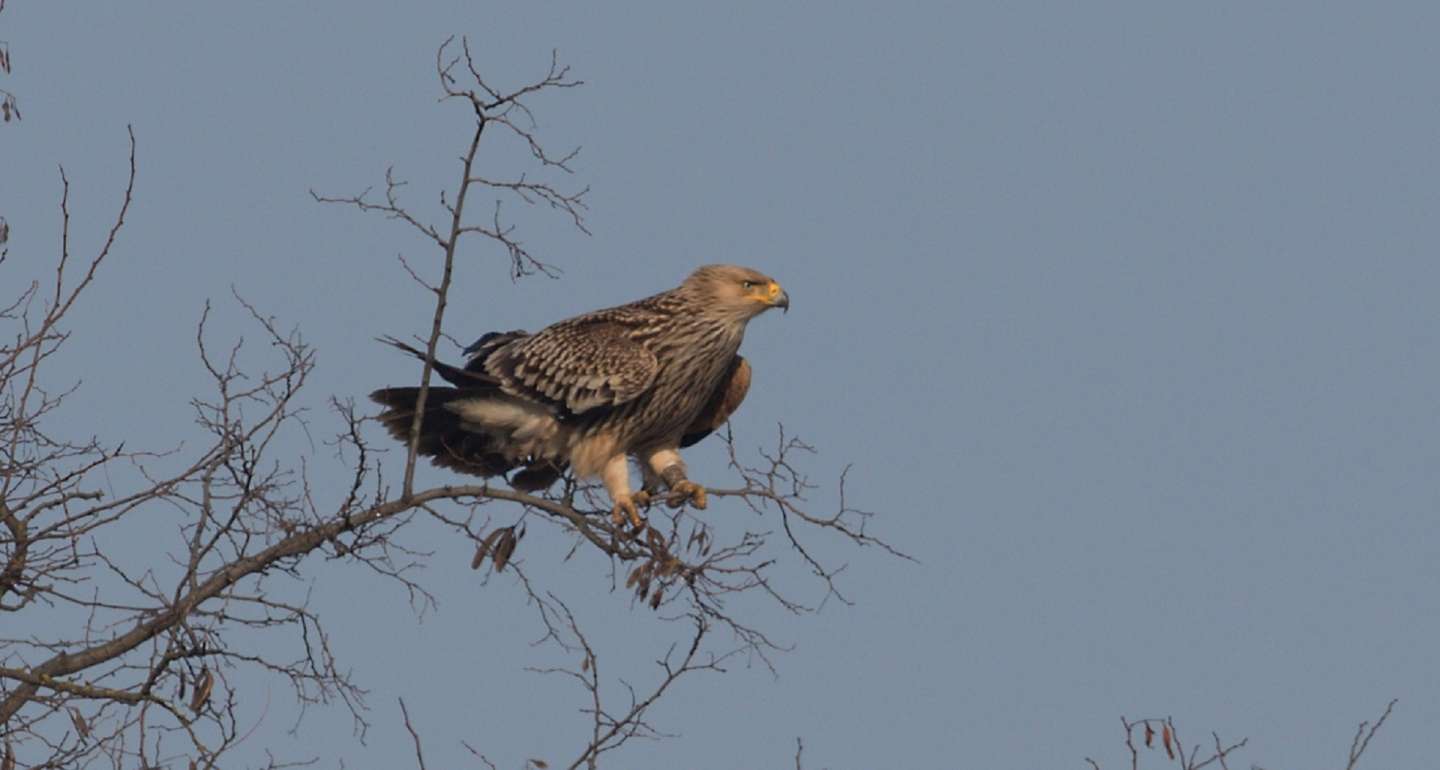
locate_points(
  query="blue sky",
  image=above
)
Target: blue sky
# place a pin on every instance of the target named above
(1124, 313)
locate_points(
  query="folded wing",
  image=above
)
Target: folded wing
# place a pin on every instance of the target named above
(575, 367)
(723, 402)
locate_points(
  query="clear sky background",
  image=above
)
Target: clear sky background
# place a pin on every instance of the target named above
(1125, 313)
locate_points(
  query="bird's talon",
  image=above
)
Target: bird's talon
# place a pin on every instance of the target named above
(687, 491)
(642, 498)
(625, 508)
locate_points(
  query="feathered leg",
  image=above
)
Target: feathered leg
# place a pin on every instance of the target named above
(616, 476)
(668, 466)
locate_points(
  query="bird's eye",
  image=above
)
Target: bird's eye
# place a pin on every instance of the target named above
(748, 285)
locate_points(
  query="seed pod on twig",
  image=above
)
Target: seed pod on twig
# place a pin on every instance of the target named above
(202, 690)
(504, 548)
(482, 550)
(79, 722)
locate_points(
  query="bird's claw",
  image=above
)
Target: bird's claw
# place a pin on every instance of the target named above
(685, 490)
(625, 508)
(642, 498)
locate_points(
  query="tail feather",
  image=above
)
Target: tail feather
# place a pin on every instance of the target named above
(452, 442)
(487, 434)
(442, 436)
(465, 378)
(538, 475)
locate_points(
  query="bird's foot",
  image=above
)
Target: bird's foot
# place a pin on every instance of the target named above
(625, 508)
(643, 498)
(686, 490)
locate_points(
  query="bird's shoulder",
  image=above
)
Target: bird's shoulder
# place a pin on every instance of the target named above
(612, 326)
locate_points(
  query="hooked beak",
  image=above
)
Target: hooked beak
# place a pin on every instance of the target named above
(778, 297)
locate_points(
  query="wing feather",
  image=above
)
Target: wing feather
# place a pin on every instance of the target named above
(723, 402)
(577, 366)
(464, 378)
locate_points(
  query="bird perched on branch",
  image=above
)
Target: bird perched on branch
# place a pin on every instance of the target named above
(639, 380)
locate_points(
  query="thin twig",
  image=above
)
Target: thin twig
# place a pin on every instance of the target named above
(414, 736)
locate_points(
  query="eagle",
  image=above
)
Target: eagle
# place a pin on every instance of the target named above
(640, 380)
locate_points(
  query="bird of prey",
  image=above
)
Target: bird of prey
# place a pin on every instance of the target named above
(639, 380)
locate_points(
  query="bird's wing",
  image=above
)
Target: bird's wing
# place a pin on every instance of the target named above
(577, 365)
(723, 402)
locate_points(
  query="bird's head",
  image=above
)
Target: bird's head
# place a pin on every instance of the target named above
(739, 292)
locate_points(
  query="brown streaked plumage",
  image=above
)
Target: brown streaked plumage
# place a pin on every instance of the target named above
(723, 403)
(639, 380)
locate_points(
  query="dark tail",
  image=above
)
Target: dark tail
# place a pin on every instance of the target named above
(442, 437)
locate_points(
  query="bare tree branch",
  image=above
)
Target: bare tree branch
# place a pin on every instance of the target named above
(1364, 733)
(414, 736)
(154, 671)
(489, 106)
(9, 107)
(1160, 740)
